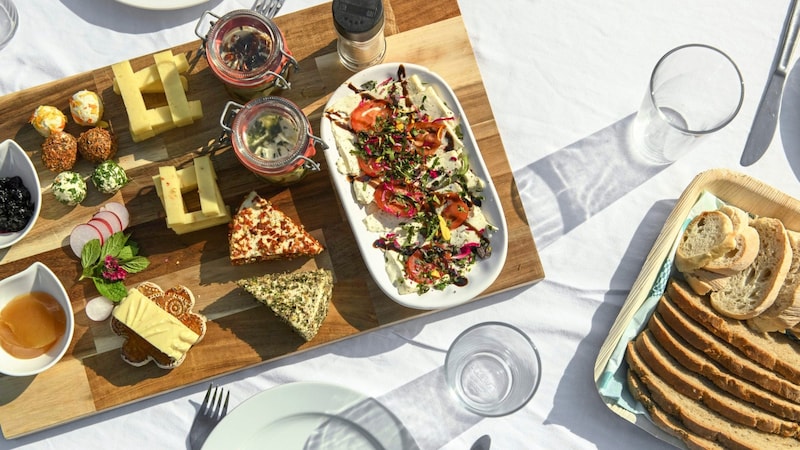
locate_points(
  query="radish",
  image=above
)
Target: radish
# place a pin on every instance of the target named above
(111, 218)
(99, 308)
(82, 234)
(102, 226)
(120, 210)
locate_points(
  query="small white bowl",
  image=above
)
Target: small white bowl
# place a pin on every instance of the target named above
(37, 277)
(14, 161)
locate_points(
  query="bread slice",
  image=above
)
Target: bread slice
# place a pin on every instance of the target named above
(709, 235)
(716, 351)
(704, 282)
(742, 255)
(751, 291)
(739, 217)
(772, 350)
(785, 311)
(667, 422)
(698, 418)
(261, 232)
(300, 299)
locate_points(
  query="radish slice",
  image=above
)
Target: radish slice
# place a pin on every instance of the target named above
(111, 218)
(82, 234)
(103, 226)
(99, 308)
(120, 210)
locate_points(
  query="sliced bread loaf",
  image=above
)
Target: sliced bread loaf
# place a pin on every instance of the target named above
(751, 291)
(699, 419)
(695, 361)
(700, 389)
(720, 352)
(772, 350)
(709, 235)
(785, 311)
(667, 422)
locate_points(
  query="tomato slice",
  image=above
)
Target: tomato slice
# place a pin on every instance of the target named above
(455, 212)
(421, 271)
(365, 116)
(397, 200)
(370, 167)
(427, 136)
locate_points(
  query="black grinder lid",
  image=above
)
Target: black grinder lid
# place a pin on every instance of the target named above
(357, 20)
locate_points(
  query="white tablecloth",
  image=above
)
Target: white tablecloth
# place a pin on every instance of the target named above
(563, 78)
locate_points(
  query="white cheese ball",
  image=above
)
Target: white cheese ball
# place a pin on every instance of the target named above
(69, 188)
(109, 177)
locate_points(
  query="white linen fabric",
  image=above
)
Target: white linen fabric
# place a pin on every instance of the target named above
(564, 78)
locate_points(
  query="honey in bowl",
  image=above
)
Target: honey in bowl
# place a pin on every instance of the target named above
(30, 324)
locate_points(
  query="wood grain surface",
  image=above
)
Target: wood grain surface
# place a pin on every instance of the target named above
(241, 333)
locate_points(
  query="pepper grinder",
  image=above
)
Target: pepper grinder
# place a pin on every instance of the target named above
(359, 26)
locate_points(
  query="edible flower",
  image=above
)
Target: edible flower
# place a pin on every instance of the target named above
(110, 263)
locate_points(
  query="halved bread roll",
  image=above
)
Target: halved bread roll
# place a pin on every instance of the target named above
(754, 289)
(708, 236)
(746, 249)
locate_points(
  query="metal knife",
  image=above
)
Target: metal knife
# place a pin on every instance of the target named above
(766, 119)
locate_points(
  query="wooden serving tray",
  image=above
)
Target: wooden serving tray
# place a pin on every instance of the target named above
(241, 333)
(734, 188)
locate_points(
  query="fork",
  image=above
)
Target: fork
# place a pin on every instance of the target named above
(208, 416)
(267, 8)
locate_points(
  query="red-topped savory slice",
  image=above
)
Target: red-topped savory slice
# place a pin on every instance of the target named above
(261, 232)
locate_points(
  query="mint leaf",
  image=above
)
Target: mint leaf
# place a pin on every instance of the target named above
(135, 264)
(114, 291)
(90, 253)
(114, 244)
(126, 253)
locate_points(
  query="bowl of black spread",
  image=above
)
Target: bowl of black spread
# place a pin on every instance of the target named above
(20, 194)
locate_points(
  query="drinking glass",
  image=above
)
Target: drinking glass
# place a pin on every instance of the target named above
(8, 21)
(493, 368)
(694, 90)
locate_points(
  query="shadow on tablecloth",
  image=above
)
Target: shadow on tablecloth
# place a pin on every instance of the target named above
(564, 189)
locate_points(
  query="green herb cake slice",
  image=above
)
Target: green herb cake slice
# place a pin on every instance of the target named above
(300, 299)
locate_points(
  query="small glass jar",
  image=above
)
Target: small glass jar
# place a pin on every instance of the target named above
(272, 138)
(248, 52)
(359, 26)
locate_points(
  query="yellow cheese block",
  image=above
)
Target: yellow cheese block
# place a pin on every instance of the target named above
(187, 178)
(149, 81)
(161, 118)
(173, 90)
(140, 127)
(207, 187)
(171, 195)
(158, 327)
(201, 221)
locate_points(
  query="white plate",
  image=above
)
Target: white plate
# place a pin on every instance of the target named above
(162, 4)
(310, 415)
(485, 271)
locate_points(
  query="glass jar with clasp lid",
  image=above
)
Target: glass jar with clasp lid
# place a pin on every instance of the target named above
(272, 138)
(247, 52)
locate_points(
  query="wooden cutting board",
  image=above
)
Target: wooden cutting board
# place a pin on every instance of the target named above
(241, 333)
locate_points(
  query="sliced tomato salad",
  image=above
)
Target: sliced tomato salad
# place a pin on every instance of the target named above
(416, 165)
